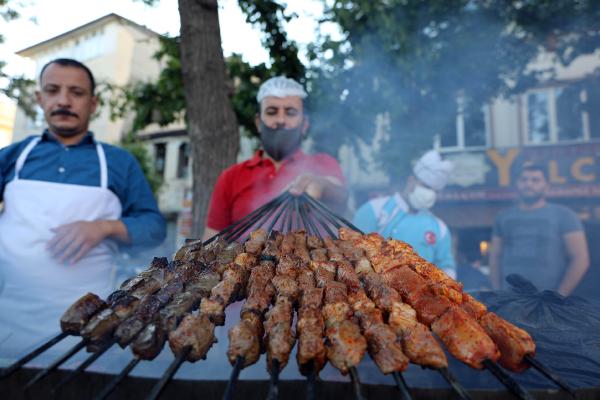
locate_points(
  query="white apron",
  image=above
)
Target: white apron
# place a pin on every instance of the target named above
(35, 289)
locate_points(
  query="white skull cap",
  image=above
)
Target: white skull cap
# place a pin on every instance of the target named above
(280, 86)
(432, 170)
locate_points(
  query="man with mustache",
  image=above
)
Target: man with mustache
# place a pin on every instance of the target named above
(541, 241)
(280, 164)
(69, 203)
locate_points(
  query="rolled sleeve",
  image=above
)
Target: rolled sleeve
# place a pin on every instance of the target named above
(145, 224)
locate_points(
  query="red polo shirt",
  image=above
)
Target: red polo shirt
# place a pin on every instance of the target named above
(244, 187)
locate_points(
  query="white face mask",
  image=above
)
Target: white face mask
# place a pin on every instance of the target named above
(421, 198)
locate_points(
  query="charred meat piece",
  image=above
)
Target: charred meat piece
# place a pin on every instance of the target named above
(312, 298)
(247, 261)
(286, 286)
(202, 284)
(336, 312)
(435, 275)
(421, 347)
(301, 249)
(363, 266)
(323, 275)
(213, 310)
(368, 317)
(464, 338)
(334, 253)
(149, 343)
(133, 325)
(418, 342)
(513, 342)
(313, 242)
(271, 249)
(80, 312)
(474, 308)
(259, 300)
(229, 253)
(125, 306)
(319, 255)
(100, 326)
(347, 275)
(383, 295)
(335, 292)
(288, 243)
(195, 332)
(430, 307)
(182, 303)
(288, 266)
(256, 241)
(243, 342)
(408, 283)
(345, 345)
(279, 338)
(311, 348)
(384, 349)
(305, 279)
(188, 252)
(149, 287)
(351, 252)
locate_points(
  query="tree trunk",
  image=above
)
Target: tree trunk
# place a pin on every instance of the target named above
(212, 124)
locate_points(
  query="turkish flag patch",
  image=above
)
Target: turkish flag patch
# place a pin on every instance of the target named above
(430, 237)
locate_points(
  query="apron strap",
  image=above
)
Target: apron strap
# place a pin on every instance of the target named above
(103, 167)
(23, 156)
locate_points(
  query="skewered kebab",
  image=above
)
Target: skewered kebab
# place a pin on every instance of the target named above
(432, 289)
(345, 344)
(461, 334)
(311, 355)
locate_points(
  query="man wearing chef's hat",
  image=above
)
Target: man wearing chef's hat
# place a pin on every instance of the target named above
(405, 215)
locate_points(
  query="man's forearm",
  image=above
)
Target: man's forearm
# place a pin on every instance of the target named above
(575, 272)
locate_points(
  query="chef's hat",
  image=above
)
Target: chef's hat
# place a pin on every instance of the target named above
(432, 170)
(280, 86)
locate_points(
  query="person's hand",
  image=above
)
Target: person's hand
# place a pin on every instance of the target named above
(310, 184)
(73, 241)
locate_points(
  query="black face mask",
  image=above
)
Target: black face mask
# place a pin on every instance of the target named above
(280, 143)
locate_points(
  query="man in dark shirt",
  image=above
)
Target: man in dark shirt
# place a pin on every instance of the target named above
(541, 241)
(68, 202)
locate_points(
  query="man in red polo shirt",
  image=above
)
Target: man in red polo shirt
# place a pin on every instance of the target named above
(279, 165)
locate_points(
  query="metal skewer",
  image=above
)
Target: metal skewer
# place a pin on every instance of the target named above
(356, 383)
(507, 381)
(549, 374)
(235, 373)
(458, 388)
(11, 369)
(258, 212)
(168, 374)
(343, 220)
(310, 383)
(402, 386)
(58, 362)
(258, 218)
(311, 210)
(273, 393)
(86, 363)
(115, 382)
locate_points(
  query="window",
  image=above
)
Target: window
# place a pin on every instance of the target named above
(183, 160)
(468, 130)
(538, 117)
(592, 107)
(559, 115)
(160, 158)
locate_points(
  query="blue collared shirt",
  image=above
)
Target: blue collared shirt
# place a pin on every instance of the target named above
(51, 161)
